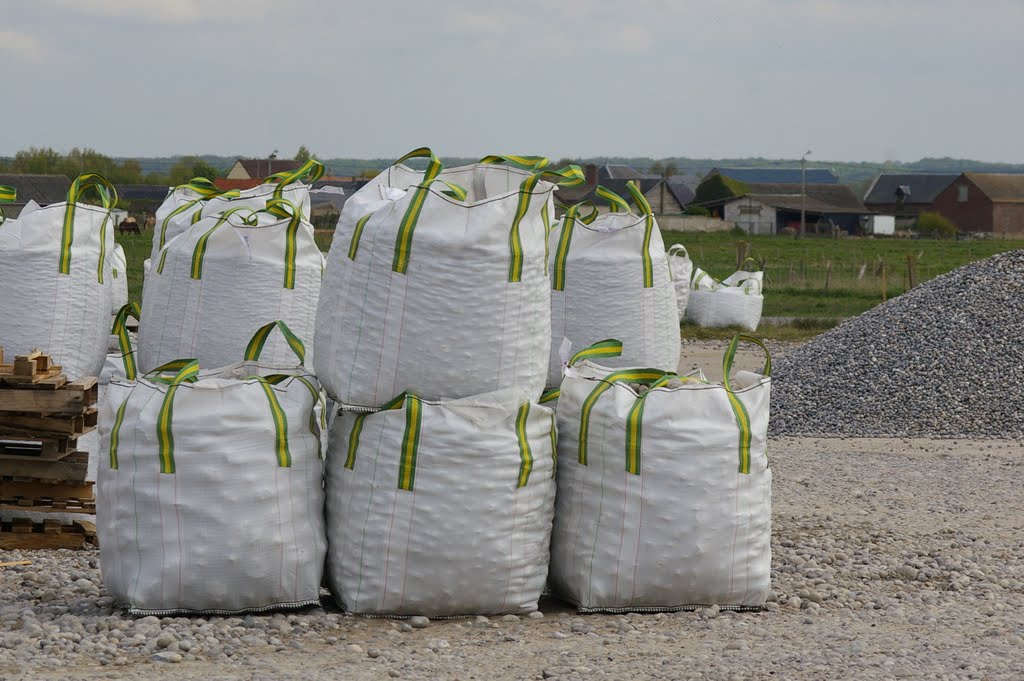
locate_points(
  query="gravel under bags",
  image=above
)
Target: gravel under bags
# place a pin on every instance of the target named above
(664, 490)
(441, 508)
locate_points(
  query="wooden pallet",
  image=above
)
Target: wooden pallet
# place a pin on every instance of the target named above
(69, 399)
(72, 468)
(46, 496)
(33, 368)
(22, 533)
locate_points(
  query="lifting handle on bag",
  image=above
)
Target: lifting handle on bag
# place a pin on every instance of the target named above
(645, 252)
(310, 171)
(120, 329)
(738, 408)
(285, 209)
(403, 242)
(569, 176)
(199, 252)
(108, 198)
(410, 440)
(259, 339)
(524, 162)
(8, 194)
(615, 202)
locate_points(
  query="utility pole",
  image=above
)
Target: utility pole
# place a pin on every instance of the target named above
(803, 192)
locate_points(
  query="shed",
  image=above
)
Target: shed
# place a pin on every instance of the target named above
(991, 203)
(905, 195)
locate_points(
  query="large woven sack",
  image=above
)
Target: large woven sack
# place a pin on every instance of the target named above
(210, 497)
(664, 490)
(119, 279)
(682, 271)
(437, 283)
(188, 203)
(226, 276)
(737, 300)
(55, 279)
(610, 279)
(441, 508)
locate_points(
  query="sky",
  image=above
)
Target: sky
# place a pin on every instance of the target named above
(847, 80)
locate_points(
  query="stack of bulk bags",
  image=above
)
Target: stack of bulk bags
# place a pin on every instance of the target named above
(188, 203)
(737, 300)
(664, 490)
(224, 277)
(437, 283)
(210, 497)
(610, 279)
(56, 280)
(682, 272)
(441, 508)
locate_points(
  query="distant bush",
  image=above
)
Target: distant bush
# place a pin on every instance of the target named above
(934, 226)
(697, 210)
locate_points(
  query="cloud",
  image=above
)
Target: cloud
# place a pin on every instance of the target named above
(24, 47)
(172, 12)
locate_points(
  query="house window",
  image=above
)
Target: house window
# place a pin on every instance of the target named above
(961, 193)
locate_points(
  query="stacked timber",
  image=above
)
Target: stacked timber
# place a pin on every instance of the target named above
(42, 415)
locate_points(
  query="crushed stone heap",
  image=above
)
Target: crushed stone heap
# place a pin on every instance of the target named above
(946, 359)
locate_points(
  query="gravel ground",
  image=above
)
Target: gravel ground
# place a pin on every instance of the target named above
(892, 558)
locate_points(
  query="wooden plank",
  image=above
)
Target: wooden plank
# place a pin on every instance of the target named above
(10, 541)
(72, 468)
(21, 525)
(58, 424)
(52, 526)
(46, 488)
(71, 399)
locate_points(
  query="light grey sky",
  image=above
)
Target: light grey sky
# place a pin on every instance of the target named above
(852, 80)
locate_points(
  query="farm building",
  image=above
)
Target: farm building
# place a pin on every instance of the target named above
(905, 195)
(43, 189)
(669, 196)
(769, 208)
(259, 168)
(984, 203)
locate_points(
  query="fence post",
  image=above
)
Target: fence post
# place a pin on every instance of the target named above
(911, 272)
(884, 283)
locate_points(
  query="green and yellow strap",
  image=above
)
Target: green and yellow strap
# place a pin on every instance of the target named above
(310, 171)
(410, 439)
(281, 448)
(615, 202)
(525, 452)
(8, 194)
(285, 209)
(403, 242)
(259, 339)
(108, 199)
(177, 211)
(120, 329)
(738, 409)
(570, 176)
(525, 162)
(357, 233)
(645, 210)
(199, 253)
(562, 249)
(634, 423)
(187, 371)
(315, 427)
(648, 376)
(600, 350)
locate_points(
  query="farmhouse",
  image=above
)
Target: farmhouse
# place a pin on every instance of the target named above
(905, 195)
(259, 168)
(984, 203)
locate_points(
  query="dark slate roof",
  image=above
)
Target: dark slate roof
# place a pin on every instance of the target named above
(1000, 187)
(262, 167)
(778, 175)
(923, 187)
(682, 188)
(617, 171)
(43, 189)
(142, 192)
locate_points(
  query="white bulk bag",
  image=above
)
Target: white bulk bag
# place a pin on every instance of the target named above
(210, 497)
(55, 279)
(460, 307)
(226, 276)
(188, 203)
(119, 279)
(610, 279)
(682, 271)
(664, 494)
(441, 508)
(737, 300)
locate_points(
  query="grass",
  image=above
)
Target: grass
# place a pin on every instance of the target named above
(817, 281)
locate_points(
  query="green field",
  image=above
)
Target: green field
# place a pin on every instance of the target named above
(819, 281)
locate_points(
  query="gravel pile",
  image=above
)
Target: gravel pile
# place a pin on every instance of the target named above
(946, 359)
(892, 559)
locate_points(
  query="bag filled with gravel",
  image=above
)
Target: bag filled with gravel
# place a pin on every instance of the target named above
(210, 495)
(441, 508)
(664, 489)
